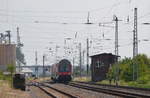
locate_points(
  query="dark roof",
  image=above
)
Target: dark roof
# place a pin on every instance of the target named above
(102, 54)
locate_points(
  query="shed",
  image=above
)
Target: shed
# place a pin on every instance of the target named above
(100, 64)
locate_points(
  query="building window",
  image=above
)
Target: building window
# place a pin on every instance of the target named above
(99, 64)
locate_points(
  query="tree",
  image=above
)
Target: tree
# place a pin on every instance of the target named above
(126, 69)
(20, 55)
(142, 63)
(137, 68)
(11, 69)
(76, 70)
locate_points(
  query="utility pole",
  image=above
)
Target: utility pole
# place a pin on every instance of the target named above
(135, 43)
(36, 59)
(87, 60)
(80, 58)
(116, 36)
(56, 52)
(83, 57)
(1, 38)
(116, 48)
(135, 35)
(36, 69)
(73, 62)
(65, 47)
(88, 18)
(19, 46)
(18, 38)
(43, 65)
(9, 37)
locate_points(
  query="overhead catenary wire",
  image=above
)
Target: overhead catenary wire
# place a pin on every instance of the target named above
(38, 29)
(67, 11)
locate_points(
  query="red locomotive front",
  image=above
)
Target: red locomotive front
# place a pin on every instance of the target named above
(62, 71)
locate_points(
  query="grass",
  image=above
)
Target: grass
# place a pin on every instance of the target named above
(132, 83)
(4, 83)
(121, 82)
(5, 80)
(6, 90)
(40, 79)
(4, 87)
(83, 79)
(140, 85)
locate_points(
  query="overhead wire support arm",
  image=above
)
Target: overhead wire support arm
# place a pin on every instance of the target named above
(87, 56)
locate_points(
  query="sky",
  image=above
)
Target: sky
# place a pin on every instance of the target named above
(47, 24)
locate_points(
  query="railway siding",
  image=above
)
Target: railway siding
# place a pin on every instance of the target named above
(142, 91)
(88, 90)
(54, 92)
(80, 93)
(124, 92)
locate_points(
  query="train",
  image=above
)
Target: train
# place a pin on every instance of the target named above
(61, 71)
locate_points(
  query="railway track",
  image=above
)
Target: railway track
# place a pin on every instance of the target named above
(53, 92)
(104, 85)
(117, 91)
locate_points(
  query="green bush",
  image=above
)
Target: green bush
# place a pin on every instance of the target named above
(144, 79)
(11, 68)
(1, 75)
(141, 65)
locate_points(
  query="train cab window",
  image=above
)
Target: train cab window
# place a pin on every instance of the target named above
(64, 68)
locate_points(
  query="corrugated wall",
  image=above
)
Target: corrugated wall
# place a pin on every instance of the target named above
(7, 55)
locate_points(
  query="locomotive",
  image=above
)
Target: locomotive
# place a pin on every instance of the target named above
(62, 71)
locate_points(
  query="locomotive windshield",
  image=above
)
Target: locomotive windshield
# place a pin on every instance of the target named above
(64, 66)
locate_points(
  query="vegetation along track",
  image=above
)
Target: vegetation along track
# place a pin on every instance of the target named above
(115, 90)
(42, 86)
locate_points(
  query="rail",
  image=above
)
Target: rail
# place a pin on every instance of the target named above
(41, 85)
(108, 90)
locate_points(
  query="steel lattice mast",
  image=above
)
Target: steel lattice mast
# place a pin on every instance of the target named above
(135, 34)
